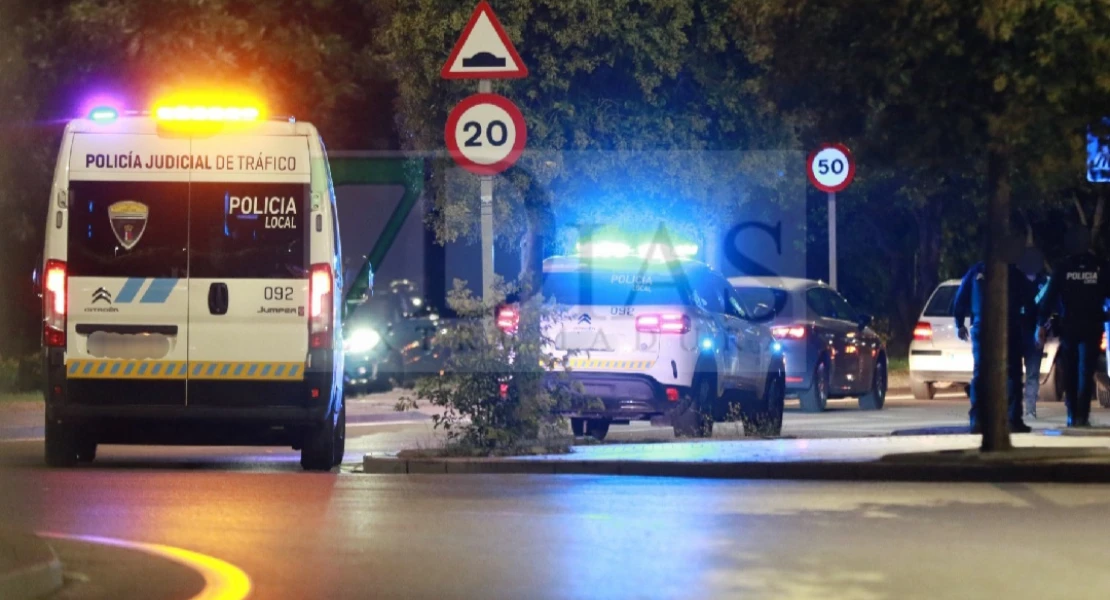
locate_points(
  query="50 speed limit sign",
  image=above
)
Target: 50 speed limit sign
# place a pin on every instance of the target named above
(831, 168)
(486, 134)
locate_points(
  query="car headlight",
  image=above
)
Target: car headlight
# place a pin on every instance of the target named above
(362, 340)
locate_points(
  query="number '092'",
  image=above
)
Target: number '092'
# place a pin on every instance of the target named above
(278, 293)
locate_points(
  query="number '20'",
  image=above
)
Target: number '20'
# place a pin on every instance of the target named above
(496, 133)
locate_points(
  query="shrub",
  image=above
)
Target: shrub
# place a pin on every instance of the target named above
(9, 375)
(494, 386)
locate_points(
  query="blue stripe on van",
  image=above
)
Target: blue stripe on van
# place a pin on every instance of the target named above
(130, 290)
(159, 291)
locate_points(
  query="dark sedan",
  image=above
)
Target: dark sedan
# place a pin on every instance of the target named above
(830, 350)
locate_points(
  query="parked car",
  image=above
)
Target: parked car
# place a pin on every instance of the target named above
(830, 350)
(938, 356)
(390, 341)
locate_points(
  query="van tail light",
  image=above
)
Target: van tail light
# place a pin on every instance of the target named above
(923, 332)
(321, 305)
(1103, 345)
(663, 323)
(508, 318)
(54, 304)
(789, 332)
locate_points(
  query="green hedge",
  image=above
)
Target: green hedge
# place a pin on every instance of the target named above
(20, 374)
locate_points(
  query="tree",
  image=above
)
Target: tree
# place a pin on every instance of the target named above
(945, 86)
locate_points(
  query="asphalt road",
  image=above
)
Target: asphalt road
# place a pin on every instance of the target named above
(346, 535)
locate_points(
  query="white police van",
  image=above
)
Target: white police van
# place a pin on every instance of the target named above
(663, 340)
(191, 285)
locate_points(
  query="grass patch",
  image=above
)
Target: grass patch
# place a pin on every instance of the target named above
(12, 398)
(537, 448)
(897, 365)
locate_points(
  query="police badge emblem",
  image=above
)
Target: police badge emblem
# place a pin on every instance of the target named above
(128, 219)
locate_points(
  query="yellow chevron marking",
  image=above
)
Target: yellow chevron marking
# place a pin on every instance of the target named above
(181, 370)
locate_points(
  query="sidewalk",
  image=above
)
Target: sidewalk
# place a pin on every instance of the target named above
(28, 566)
(1044, 456)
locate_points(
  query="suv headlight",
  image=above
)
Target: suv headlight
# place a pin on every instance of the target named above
(362, 340)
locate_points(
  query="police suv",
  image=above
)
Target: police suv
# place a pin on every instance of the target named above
(663, 340)
(191, 285)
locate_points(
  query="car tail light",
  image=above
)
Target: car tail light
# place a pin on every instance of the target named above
(1103, 345)
(508, 318)
(663, 323)
(320, 306)
(789, 332)
(923, 332)
(54, 304)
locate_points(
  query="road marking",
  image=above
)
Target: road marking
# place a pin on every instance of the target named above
(222, 580)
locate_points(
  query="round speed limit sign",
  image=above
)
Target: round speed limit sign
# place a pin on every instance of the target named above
(831, 168)
(486, 134)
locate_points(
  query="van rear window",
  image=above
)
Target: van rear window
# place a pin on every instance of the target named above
(618, 288)
(248, 231)
(128, 229)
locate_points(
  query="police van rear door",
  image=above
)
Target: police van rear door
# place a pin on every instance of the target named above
(249, 268)
(126, 237)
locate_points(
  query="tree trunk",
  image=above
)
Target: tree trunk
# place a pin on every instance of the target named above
(993, 352)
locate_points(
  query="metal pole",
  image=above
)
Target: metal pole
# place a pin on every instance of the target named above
(486, 87)
(832, 240)
(487, 237)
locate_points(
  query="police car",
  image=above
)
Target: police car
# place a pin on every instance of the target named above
(191, 290)
(657, 337)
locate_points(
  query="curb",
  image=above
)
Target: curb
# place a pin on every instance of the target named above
(925, 467)
(29, 568)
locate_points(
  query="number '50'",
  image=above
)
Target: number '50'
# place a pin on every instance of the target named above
(823, 166)
(497, 133)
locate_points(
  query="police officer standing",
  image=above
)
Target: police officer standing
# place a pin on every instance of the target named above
(969, 302)
(1078, 288)
(1032, 264)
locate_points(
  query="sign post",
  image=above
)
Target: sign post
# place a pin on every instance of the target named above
(831, 169)
(487, 135)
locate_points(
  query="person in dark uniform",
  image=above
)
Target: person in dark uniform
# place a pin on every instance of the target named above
(1078, 289)
(1032, 264)
(970, 301)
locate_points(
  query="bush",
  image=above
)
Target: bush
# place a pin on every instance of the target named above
(494, 385)
(9, 375)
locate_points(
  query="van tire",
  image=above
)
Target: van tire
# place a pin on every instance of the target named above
(1051, 390)
(61, 444)
(318, 453)
(694, 415)
(816, 398)
(341, 435)
(923, 390)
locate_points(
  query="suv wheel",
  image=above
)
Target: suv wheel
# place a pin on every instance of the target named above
(1102, 389)
(816, 397)
(578, 427)
(694, 415)
(318, 453)
(597, 428)
(1052, 390)
(923, 390)
(875, 397)
(766, 419)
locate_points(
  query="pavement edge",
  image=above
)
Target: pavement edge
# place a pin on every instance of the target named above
(916, 468)
(29, 567)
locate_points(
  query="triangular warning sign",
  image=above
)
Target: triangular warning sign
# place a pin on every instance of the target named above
(484, 51)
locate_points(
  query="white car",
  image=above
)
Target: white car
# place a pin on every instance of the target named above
(937, 355)
(191, 284)
(661, 341)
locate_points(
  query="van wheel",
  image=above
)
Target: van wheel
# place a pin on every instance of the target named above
(597, 428)
(86, 450)
(875, 397)
(340, 436)
(61, 444)
(816, 398)
(318, 453)
(766, 419)
(923, 390)
(694, 415)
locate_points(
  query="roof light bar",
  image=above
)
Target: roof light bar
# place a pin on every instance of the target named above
(103, 114)
(186, 112)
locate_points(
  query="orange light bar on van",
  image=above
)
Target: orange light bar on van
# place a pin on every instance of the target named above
(211, 114)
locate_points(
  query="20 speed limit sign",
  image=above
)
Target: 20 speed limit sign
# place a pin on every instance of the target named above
(831, 168)
(486, 134)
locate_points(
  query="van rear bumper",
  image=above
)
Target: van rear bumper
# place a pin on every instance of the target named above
(623, 396)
